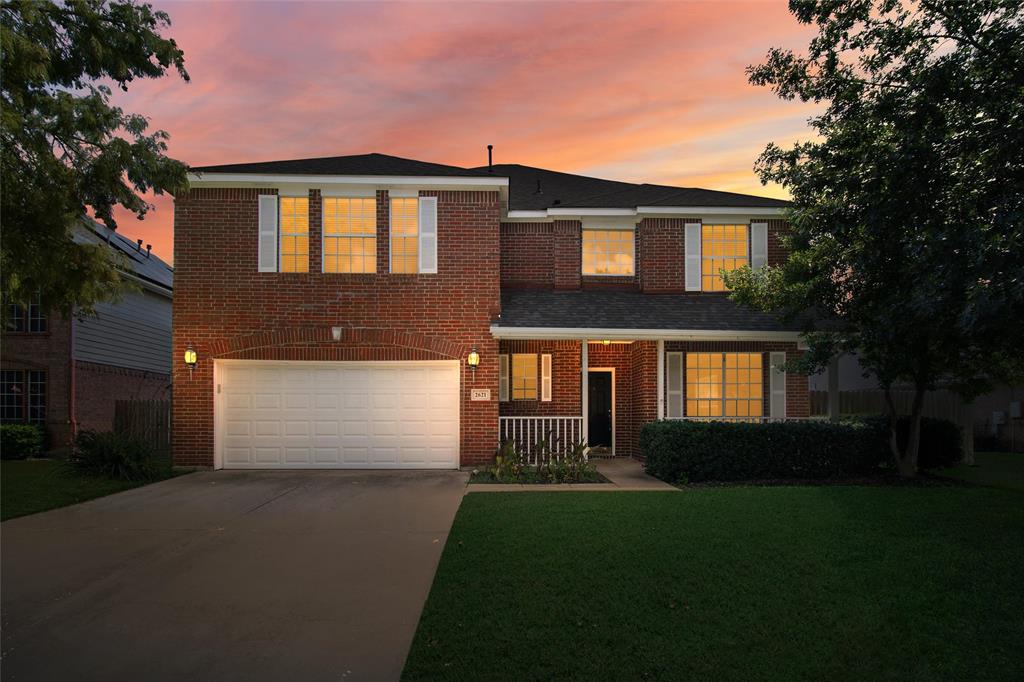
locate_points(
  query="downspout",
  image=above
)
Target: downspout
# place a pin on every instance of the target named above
(72, 413)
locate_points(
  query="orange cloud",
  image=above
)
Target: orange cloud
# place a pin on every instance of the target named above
(650, 92)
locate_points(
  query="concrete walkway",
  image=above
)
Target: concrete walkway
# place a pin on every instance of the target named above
(317, 575)
(623, 473)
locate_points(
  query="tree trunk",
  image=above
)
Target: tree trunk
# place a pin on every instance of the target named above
(967, 425)
(905, 460)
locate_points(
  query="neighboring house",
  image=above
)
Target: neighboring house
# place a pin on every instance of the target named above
(334, 305)
(66, 373)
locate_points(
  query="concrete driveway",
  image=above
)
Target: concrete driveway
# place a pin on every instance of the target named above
(227, 576)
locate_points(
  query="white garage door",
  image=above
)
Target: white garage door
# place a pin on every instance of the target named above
(338, 415)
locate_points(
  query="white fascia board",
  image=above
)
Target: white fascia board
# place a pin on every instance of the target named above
(204, 179)
(528, 214)
(591, 211)
(710, 210)
(572, 333)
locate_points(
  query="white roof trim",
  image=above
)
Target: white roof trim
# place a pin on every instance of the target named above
(200, 179)
(753, 211)
(499, 332)
(697, 210)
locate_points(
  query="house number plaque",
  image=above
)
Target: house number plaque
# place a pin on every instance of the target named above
(480, 394)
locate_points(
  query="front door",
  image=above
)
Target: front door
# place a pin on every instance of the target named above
(599, 417)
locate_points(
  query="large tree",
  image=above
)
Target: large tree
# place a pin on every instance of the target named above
(66, 149)
(906, 222)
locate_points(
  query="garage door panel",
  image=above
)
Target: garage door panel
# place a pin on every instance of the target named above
(339, 415)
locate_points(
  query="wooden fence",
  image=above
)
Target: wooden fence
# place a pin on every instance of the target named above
(147, 420)
(940, 404)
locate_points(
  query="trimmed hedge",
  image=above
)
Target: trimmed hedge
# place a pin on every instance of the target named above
(20, 441)
(678, 451)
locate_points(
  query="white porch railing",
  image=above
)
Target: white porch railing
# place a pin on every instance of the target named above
(527, 432)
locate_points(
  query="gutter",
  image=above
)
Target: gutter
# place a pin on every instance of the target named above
(598, 333)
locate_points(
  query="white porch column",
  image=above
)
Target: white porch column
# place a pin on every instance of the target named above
(584, 389)
(661, 379)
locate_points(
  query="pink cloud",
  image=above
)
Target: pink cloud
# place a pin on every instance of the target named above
(649, 91)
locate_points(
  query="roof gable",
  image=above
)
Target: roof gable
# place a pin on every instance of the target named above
(357, 164)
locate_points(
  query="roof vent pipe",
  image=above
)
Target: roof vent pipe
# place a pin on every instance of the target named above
(139, 247)
(149, 248)
(490, 163)
(539, 190)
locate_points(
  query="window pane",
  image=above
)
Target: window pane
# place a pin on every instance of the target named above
(294, 234)
(404, 234)
(12, 395)
(723, 384)
(723, 247)
(37, 396)
(524, 376)
(608, 252)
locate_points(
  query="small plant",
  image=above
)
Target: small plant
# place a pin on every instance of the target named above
(114, 455)
(20, 441)
(507, 462)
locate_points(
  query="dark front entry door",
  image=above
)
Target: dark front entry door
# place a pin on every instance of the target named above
(599, 424)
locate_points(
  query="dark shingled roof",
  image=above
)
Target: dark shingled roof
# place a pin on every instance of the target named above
(565, 190)
(604, 309)
(359, 164)
(149, 268)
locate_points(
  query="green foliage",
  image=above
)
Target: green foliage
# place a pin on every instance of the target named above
(552, 466)
(20, 441)
(908, 209)
(114, 455)
(941, 440)
(64, 148)
(678, 451)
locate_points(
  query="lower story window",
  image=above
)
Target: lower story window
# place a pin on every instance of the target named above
(524, 376)
(724, 385)
(23, 396)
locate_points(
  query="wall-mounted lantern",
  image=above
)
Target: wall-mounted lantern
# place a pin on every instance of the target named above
(191, 359)
(473, 360)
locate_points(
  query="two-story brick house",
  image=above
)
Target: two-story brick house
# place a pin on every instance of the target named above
(335, 306)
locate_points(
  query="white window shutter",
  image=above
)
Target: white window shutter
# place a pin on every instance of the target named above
(503, 378)
(777, 388)
(758, 245)
(674, 372)
(545, 378)
(268, 233)
(428, 234)
(692, 247)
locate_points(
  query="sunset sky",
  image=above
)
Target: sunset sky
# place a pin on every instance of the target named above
(643, 92)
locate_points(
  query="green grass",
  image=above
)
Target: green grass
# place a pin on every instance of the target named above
(31, 486)
(841, 582)
(997, 469)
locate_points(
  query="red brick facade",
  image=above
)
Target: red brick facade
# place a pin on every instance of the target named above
(98, 387)
(226, 309)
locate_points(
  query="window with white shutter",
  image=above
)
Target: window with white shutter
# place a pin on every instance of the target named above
(692, 249)
(777, 380)
(267, 261)
(503, 378)
(545, 378)
(674, 373)
(758, 245)
(428, 235)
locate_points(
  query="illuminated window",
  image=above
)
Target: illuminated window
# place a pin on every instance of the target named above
(723, 385)
(524, 376)
(404, 234)
(350, 234)
(294, 234)
(723, 247)
(607, 252)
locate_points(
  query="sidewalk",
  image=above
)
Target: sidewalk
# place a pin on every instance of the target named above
(623, 473)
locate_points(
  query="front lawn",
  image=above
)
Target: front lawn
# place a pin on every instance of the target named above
(735, 583)
(31, 486)
(997, 469)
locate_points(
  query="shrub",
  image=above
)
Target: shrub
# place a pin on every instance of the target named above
(114, 455)
(19, 441)
(570, 466)
(679, 451)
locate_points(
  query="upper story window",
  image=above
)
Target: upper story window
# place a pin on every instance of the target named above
(30, 318)
(404, 234)
(723, 247)
(350, 234)
(608, 252)
(294, 241)
(723, 385)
